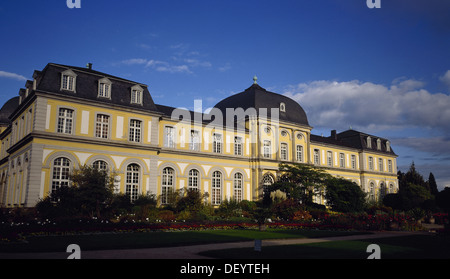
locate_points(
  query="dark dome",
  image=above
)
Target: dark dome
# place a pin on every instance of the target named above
(8, 108)
(257, 97)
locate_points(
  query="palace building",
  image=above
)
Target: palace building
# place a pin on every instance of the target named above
(69, 116)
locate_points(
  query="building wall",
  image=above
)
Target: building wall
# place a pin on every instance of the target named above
(31, 148)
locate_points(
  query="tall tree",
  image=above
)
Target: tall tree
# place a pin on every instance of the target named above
(432, 184)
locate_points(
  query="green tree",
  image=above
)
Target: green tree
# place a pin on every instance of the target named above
(432, 184)
(94, 188)
(300, 182)
(344, 196)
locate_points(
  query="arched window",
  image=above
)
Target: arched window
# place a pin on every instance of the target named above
(372, 191)
(167, 183)
(61, 173)
(216, 187)
(267, 180)
(100, 165)
(194, 179)
(382, 190)
(237, 183)
(132, 181)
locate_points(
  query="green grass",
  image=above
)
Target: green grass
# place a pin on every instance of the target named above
(156, 239)
(405, 247)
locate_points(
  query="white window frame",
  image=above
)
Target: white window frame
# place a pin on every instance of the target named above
(330, 158)
(193, 179)
(267, 149)
(299, 153)
(167, 184)
(316, 156)
(104, 88)
(65, 122)
(238, 146)
(217, 143)
(237, 186)
(194, 142)
(61, 173)
(353, 160)
(284, 152)
(102, 126)
(216, 188)
(136, 95)
(68, 81)
(169, 137)
(132, 181)
(135, 131)
(342, 160)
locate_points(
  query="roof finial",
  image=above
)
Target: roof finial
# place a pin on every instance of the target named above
(255, 80)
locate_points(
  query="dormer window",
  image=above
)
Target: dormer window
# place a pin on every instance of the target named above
(136, 95)
(104, 88)
(378, 144)
(388, 146)
(68, 80)
(282, 107)
(369, 142)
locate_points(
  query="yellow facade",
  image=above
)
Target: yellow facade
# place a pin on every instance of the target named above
(150, 152)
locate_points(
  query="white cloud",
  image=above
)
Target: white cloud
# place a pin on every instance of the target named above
(135, 61)
(160, 66)
(446, 78)
(370, 106)
(12, 76)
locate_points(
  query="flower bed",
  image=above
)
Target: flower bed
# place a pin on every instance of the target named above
(333, 221)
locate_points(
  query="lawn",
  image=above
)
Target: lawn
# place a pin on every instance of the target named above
(405, 247)
(157, 239)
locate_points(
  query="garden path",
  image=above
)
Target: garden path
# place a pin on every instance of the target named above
(192, 252)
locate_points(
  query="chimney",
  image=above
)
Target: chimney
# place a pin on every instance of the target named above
(89, 66)
(333, 134)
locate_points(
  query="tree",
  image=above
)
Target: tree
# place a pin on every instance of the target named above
(432, 184)
(443, 199)
(94, 188)
(344, 196)
(299, 182)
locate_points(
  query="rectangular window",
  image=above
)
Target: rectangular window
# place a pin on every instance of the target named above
(217, 143)
(330, 158)
(102, 126)
(299, 153)
(316, 157)
(194, 143)
(390, 165)
(237, 146)
(136, 97)
(380, 164)
(135, 130)
(267, 152)
(169, 137)
(68, 82)
(65, 120)
(353, 162)
(342, 160)
(284, 151)
(104, 90)
(370, 163)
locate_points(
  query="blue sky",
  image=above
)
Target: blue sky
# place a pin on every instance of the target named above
(381, 71)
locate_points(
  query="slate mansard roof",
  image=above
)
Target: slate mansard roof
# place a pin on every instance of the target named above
(87, 80)
(356, 140)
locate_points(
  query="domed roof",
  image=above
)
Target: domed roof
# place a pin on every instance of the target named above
(259, 98)
(8, 108)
